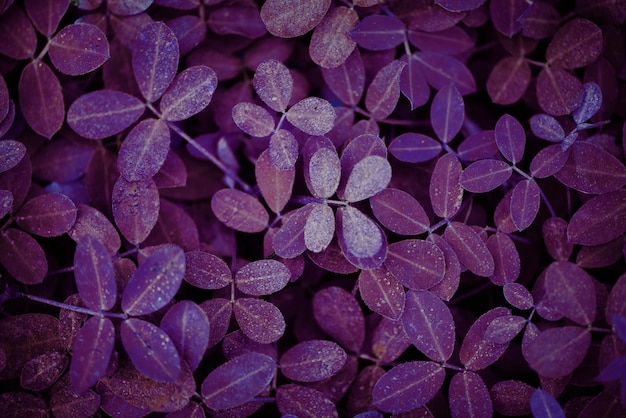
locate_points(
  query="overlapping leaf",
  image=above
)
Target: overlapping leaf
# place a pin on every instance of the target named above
(22, 256)
(312, 361)
(190, 92)
(91, 352)
(379, 32)
(296, 400)
(347, 81)
(485, 175)
(287, 19)
(470, 248)
(283, 149)
(331, 43)
(188, 327)
(144, 150)
(506, 259)
(275, 184)
(361, 240)
(476, 351)
(399, 211)
(48, 215)
(417, 264)
(239, 210)
(135, 208)
(556, 352)
(382, 292)
(94, 274)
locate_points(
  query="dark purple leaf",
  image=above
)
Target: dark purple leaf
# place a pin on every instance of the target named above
(508, 80)
(289, 19)
(368, 177)
(206, 271)
(510, 138)
(447, 113)
(408, 386)
(151, 350)
(506, 259)
(543, 405)
(22, 256)
(557, 352)
(361, 240)
(446, 194)
(525, 202)
(262, 277)
(78, 49)
(414, 147)
(477, 352)
(558, 92)
(382, 292)
(603, 255)
(319, 228)
(126, 29)
(144, 150)
(549, 161)
(12, 153)
(289, 241)
(63, 160)
(65, 403)
(236, 344)
(570, 291)
(592, 100)
(588, 229)
(338, 313)
(18, 181)
(91, 353)
(459, 5)
(275, 184)
(576, 44)
(6, 202)
(173, 172)
(312, 115)
(360, 397)
(335, 387)
(347, 81)
(450, 41)
(384, 90)
(190, 92)
(295, 400)
(253, 119)
(188, 327)
(413, 83)
(469, 396)
(429, 324)
(518, 296)
(447, 287)
(18, 39)
(243, 20)
(485, 175)
(546, 127)
(379, 32)
(504, 328)
(389, 340)
(417, 264)
(470, 249)
(48, 215)
(218, 311)
(615, 305)
(189, 31)
(426, 15)
(481, 145)
(155, 282)
(41, 99)
(259, 320)
(331, 43)
(174, 226)
(239, 210)
(135, 208)
(94, 274)
(283, 149)
(441, 70)
(312, 361)
(42, 371)
(505, 15)
(399, 212)
(155, 59)
(274, 84)
(511, 397)
(541, 20)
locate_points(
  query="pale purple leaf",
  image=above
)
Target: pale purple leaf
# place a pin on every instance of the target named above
(275, 184)
(18, 39)
(259, 320)
(22, 256)
(451, 41)
(151, 350)
(188, 327)
(414, 147)
(399, 212)
(283, 149)
(417, 264)
(508, 80)
(289, 241)
(289, 19)
(253, 119)
(338, 313)
(319, 228)
(322, 169)
(429, 324)
(447, 113)
(48, 215)
(362, 146)
(41, 99)
(382, 292)
(587, 228)
(525, 202)
(413, 83)
(504, 328)
(576, 44)
(543, 405)
(190, 92)
(91, 352)
(312, 115)
(206, 271)
(570, 291)
(549, 161)
(485, 175)
(155, 59)
(135, 208)
(368, 177)
(477, 352)
(295, 401)
(155, 282)
(506, 259)
(557, 352)
(12, 153)
(511, 397)
(42, 371)
(331, 43)
(546, 127)
(347, 81)
(510, 138)
(274, 84)
(94, 274)
(239, 210)
(78, 49)
(379, 32)
(518, 296)
(144, 150)
(361, 240)
(441, 70)
(389, 340)
(262, 277)
(384, 90)
(408, 386)
(558, 91)
(446, 193)
(505, 15)
(469, 396)
(312, 361)
(592, 100)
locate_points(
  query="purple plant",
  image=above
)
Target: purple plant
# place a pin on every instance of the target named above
(323, 208)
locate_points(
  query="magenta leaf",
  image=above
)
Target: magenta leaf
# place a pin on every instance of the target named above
(331, 43)
(262, 277)
(274, 84)
(504, 328)
(322, 169)
(558, 91)
(587, 229)
(447, 113)
(206, 271)
(414, 147)
(379, 32)
(288, 19)
(446, 193)
(441, 70)
(506, 259)
(95, 277)
(144, 150)
(190, 92)
(89, 221)
(382, 292)
(155, 282)
(510, 138)
(470, 248)
(91, 353)
(469, 396)
(361, 240)
(557, 352)
(155, 59)
(237, 381)
(275, 184)
(151, 350)
(259, 320)
(312, 361)
(518, 296)
(417, 264)
(135, 208)
(570, 291)
(509, 80)
(319, 228)
(78, 49)
(525, 202)
(48, 215)
(188, 327)
(253, 119)
(384, 90)
(368, 177)
(295, 401)
(312, 115)
(12, 153)
(505, 15)
(22, 256)
(42, 371)
(576, 44)
(338, 313)
(41, 99)
(429, 324)
(18, 39)
(476, 351)
(408, 386)
(239, 210)
(283, 149)
(592, 100)
(347, 81)
(549, 161)
(399, 212)
(543, 405)
(485, 175)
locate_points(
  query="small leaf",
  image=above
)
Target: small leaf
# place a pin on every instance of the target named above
(485, 175)
(312, 115)
(206, 271)
(22, 256)
(417, 264)
(91, 353)
(188, 327)
(413, 147)
(587, 228)
(592, 100)
(368, 177)
(319, 228)
(379, 32)
(322, 169)
(470, 248)
(283, 149)
(506, 259)
(295, 400)
(361, 240)
(259, 320)
(253, 119)
(12, 153)
(525, 202)
(262, 277)
(144, 150)
(331, 43)
(338, 313)
(135, 208)
(469, 396)
(274, 84)
(542, 404)
(78, 49)
(399, 212)
(504, 328)
(275, 184)
(546, 127)
(576, 44)
(557, 352)
(48, 215)
(518, 296)
(382, 292)
(510, 138)
(94, 274)
(41, 99)
(190, 92)
(447, 113)
(476, 351)
(289, 19)
(384, 90)
(446, 193)
(239, 210)
(312, 361)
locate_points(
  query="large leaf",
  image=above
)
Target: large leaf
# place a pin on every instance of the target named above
(331, 44)
(91, 352)
(206, 271)
(322, 169)
(259, 320)
(48, 215)
(312, 115)
(476, 351)
(379, 32)
(347, 81)
(368, 177)
(22, 256)
(135, 208)
(469, 396)
(253, 119)
(319, 228)
(190, 92)
(557, 352)
(485, 175)
(338, 313)
(525, 202)
(78, 49)
(94, 274)
(275, 184)
(576, 44)
(144, 150)
(361, 240)
(188, 327)
(274, 84)
(506, 259)
(399, 212)
(18, 39)
(262, 277)
(570, 291)
(382, 292)
(558, 92)
(470, 249)
(441, 70)
(41, 99)
(312, 361)
(510, 138)
(239, 210)
(417, 264)
(508, 80)
(587, 228)
(447, 113)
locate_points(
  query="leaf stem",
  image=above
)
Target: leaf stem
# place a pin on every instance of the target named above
(75, 308)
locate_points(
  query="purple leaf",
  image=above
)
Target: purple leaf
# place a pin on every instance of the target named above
(361, 240)
(42, 371)
(283, 149)
(347, 81)
(505, 15)
(447, 113)
(253, 119)
(18, 181)
(460, 5)
(190, 92)
(289, 241)
(259, 320)
(525, 203)
(262, 277)
(408, 386)
(485, 175)
(155, 282)
(417, 264)
(12, 153)
(22, 256)
(382, 292)
(359, 148)
(174, 226)
(399, 212)
(295, 400)
(414, 147)
(570, 291)
(615, 305)
(78, 49)
(441, 70)
(603, 255)
(587, 228)
(541, 20)
(429, 325)
(275, 184)
(592, 100)
(239, 210)
(18, 39)
(274, 84)
(94, 274)
(470, 248)
(103, 113)
(63, 160)
(368, 177)
(338, 313)
(331, 43)
(506, 259)
(426, 16)
(91, 353)
(319, 228)
(510, 138)
(508, 80)
(312, 361)
(511, 397)
(384, 90)
(66, 403)
(189, 31)
(135, 208)
(206, 271)
(549, 161)
(89, 221)
(576, 44)
(504, 328)
(155, 59)
(312, 115)
(6, 202)
(151, 350)
(144, 150)
(289, 19)
(543, 405)
(219, 312)
(518, 296)
(446, 193)
(558, 91)
(48, 215)
(379, 32)
(124, 8)
(236, 344)
(451, 41)
(188, 327)
(469, 396)
(546, 127)
(447, 287)
(238, 19)
(413, 82)
(322, 169)
(477, 352)
(557, 352)
(389, 340)
(41, 99)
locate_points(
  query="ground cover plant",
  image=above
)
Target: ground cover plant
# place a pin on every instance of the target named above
(316, 208)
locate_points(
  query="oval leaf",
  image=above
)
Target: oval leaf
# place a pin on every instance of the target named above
(525, 202)
(447, 113)
(417, 264)
(368, 177)
(506, 259)
(41, 99)
(275, 184)
(510, 138)
(295, 400)
(190, 92)
(78, 49)
(274, 84)
(188, 327)
(571, 292)
(361, 240)
(476, 351)
(379, 32)
(91, 352)
(485, 175)
(94, 274)
(469, 396)
(413, 147)
(239, 210)
(288, 18)
(446, 194)
(322, 169)
(253, 119)
(576, 44)
(548, 161)
(42, 371)
(338, 313)
(557, 352)
(384, 90)
(12, 153)
(206, 271)
(587, 228)
(22, 256)
(259, 320)
(262, 277)
(382, 292)
(504, 328)
(312, 115)
(312, 361)
(558, 92)
(331, 43)
(518, 296)
(48, 215)
(508, 80)
(289, 240)
(470, 249)
(283, 149)
(319, 228)
(18, 37)
(347, 81)
(441, 70)
(399, 212)
(543, 404)
(144, 150)
(90, 221)
(135, 208)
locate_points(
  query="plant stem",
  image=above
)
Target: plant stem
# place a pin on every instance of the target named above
(75, 308)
